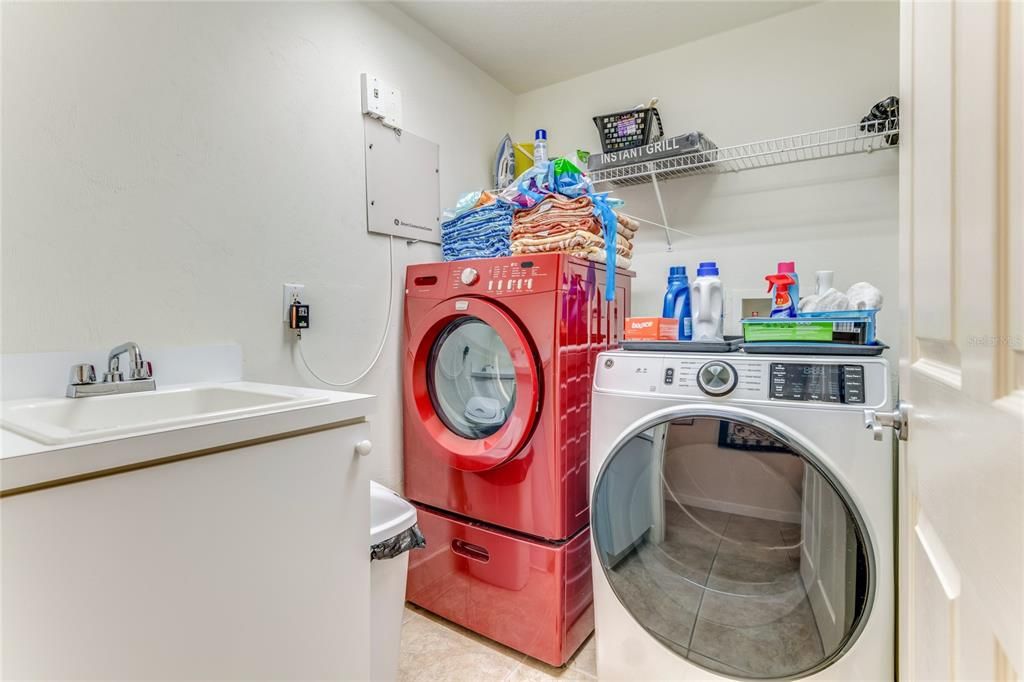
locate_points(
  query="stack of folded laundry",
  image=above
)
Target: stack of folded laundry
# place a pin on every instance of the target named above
(561, 224)
(481, 232)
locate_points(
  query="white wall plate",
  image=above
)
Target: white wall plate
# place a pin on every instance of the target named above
(381, 100)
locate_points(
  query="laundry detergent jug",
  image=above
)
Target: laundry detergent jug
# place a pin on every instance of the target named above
(677, 301)
(707, 302)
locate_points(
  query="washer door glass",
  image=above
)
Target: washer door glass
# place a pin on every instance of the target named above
(472, 378)
(732, 548)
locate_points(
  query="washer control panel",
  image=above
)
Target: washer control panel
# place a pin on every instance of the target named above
(717, 378)
(504, 278)
(841, 382)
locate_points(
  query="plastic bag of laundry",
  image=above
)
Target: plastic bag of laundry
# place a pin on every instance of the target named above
(410, 538)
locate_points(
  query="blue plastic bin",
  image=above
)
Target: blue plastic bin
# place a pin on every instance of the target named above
(851, 316)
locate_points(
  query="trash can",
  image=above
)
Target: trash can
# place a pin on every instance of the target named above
(393, 533)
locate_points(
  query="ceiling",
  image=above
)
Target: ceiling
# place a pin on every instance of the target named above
(527, 45)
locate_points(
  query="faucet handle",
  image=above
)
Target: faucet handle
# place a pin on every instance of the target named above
(81, 374)
(143, 370)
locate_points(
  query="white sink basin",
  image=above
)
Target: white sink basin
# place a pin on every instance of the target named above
(66, 420)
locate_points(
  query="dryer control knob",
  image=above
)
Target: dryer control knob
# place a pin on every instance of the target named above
(717, 378)
(470, 276)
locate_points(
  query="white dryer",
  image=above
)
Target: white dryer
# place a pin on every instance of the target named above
(742, 517)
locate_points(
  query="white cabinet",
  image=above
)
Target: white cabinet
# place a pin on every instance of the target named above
(241, 564)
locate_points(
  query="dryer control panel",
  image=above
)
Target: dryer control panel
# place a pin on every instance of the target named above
(837, 381)
(813, 381)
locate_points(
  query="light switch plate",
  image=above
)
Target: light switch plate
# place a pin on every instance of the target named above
(381, 100)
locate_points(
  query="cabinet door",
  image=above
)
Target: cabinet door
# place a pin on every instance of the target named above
(247, 564)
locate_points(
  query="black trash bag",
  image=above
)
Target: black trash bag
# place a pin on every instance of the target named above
(410, 538)
(884, 116)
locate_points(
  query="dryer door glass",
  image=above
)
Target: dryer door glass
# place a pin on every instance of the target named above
(733, 548)
(472, 381)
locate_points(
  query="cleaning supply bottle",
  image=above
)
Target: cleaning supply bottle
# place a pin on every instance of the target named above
(789, 268)
(708, 304)
(824, 278)
(540, 147)
(677, 301)
(781, 285)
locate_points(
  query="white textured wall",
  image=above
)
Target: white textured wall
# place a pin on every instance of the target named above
(167, 166)
(814, 68)
(748, 482)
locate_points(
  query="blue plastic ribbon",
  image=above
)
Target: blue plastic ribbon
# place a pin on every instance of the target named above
(610, 223)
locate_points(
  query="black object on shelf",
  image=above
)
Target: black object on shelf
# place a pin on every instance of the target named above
(885, 115)
(731, 344)
(693, 149)
(812, 348)
(628, 129)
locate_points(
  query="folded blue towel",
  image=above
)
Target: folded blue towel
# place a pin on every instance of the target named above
(462, 253)
(479, 233)
(496, 213)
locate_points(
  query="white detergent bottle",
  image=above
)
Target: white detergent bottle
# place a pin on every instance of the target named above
(707, 304)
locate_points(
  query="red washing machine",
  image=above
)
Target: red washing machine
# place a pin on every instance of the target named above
(499, 359)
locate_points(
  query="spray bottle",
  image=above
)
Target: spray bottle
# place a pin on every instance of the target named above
(789, 268)
(780, 286)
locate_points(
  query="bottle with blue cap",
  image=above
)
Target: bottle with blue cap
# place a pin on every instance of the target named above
(708, 303)
(540, 147)
(677, 301)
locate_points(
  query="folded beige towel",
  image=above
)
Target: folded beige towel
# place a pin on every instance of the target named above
(578, 239)
(557, 215)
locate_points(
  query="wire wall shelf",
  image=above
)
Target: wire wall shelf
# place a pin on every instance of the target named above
(820, 144)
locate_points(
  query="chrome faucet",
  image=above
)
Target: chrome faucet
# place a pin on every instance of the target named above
(138, 369)
(82, 383)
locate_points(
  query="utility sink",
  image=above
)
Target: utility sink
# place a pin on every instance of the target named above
(66, 420)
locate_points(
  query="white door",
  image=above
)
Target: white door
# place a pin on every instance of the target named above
(962, 280)
(826, 567)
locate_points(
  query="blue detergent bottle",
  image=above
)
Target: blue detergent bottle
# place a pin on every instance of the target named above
(677, 301)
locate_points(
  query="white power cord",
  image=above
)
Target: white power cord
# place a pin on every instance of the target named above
(384, 338)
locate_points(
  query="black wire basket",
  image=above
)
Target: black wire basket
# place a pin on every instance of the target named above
(629, 129)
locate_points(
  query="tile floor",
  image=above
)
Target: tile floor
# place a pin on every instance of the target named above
(724, 591)
(434, 649)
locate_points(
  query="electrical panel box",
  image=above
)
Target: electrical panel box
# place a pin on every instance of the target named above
(381, 100)
(403, 184)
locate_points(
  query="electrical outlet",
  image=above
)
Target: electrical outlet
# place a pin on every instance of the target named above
(292, 293)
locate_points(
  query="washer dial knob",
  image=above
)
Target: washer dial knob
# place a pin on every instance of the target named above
(717, 378)
(470, 276)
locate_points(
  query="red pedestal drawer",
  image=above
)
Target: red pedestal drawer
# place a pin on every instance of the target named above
(533, 596)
